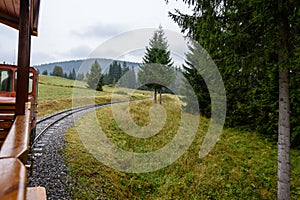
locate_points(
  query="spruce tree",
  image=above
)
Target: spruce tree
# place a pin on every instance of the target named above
(114, 72)
(192, 71)
(72, 74)
(45, 72)
(132, 78)
(106, 79)
(128, 79)
(157, 70)
(95, 77)
(58, 71)
(125, 68)
(256, 46)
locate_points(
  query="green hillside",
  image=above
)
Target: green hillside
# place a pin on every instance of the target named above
(56, 93)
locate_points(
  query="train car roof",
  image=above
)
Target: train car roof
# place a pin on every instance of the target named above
(10, 14)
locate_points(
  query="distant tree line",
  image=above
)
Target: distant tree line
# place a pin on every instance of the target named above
(58, 71)
(123, 75)
(114, 74)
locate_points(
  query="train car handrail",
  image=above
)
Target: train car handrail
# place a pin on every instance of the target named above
(16, 143)
(13, 178)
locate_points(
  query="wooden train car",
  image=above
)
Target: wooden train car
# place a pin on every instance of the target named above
(16, 132)
(8, 82)
(18, 103)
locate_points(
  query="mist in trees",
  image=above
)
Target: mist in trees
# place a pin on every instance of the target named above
(80, 76)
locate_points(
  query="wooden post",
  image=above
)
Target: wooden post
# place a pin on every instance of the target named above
(155, 94)
(23, 57)
(160, 96)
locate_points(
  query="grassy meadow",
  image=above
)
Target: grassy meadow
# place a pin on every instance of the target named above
(242, 165)
(55, 94)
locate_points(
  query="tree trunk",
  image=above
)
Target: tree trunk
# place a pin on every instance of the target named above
(155, 95)
(284, 138)
(283, 181)
(160, 97)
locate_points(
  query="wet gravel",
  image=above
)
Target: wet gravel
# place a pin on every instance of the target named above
(49, 169)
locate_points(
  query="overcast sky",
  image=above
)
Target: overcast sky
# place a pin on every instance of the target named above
(72, 29)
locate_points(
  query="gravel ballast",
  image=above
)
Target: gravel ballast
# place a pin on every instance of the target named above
(49, 169)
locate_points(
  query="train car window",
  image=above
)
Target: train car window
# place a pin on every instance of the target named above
(6, 80)
(30, 85)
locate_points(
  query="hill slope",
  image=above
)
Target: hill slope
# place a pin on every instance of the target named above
(83, 65)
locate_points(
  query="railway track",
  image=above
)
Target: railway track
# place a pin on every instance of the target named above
(47, 125)
(44, 124)
(48, 168)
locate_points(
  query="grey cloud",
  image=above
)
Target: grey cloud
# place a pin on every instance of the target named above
(8, 44)
(41, 58)
(74, 53)
(80, 51)
(100, 30)
(77, 52)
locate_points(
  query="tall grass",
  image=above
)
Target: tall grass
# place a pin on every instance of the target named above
(242, 165)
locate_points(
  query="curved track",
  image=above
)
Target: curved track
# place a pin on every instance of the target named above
(48, 168)
(45, 123)
(42, 125)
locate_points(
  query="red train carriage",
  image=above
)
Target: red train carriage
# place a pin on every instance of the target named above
(8, 87)
(18, 97)
(16, 132)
